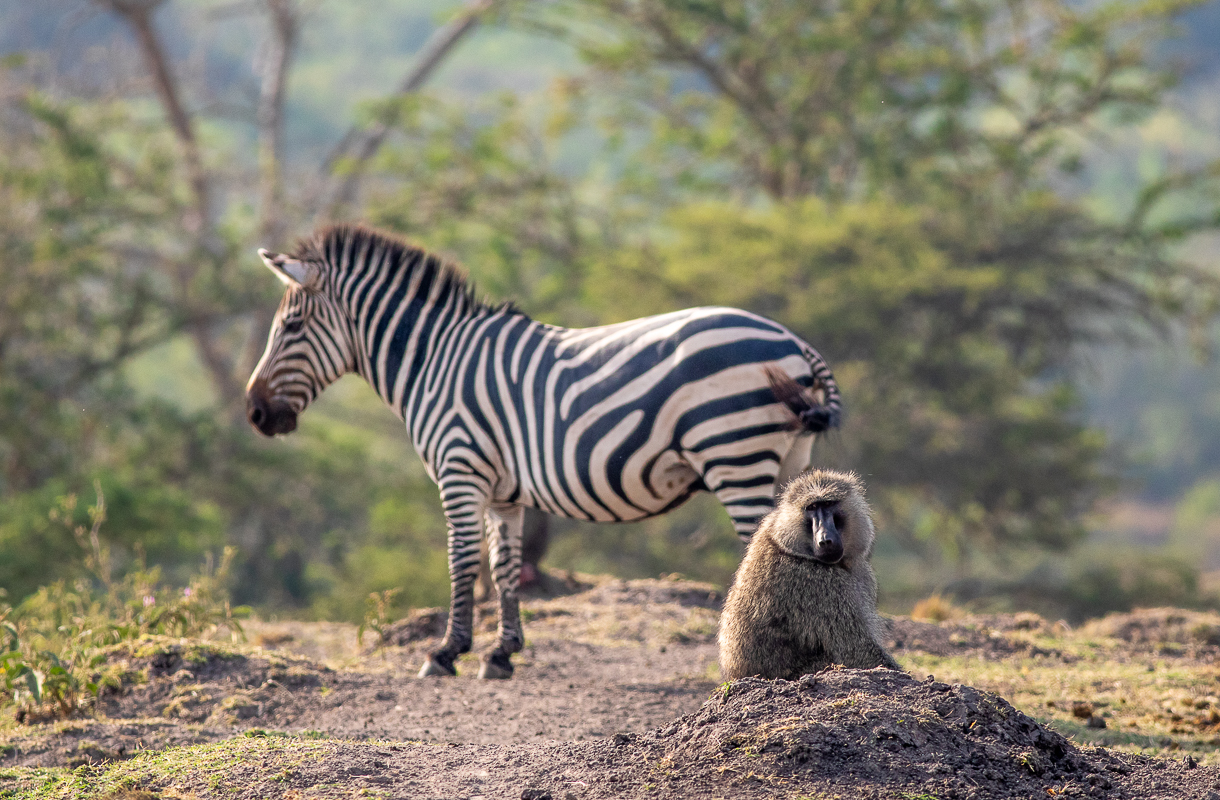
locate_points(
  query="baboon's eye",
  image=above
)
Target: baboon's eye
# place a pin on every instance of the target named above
(292, 326)
(838, 520)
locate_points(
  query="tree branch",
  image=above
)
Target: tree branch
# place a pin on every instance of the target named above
(283, 34)
(285, 24)
(138, 14)
(199, 222)
(750, 95)
(361, 146)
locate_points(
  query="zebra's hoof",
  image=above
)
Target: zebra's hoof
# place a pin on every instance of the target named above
(496, 667)
(431, 667)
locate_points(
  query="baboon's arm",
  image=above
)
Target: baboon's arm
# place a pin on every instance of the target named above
(849, 629)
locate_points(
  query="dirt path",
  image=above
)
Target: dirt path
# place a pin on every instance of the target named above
(616, 695)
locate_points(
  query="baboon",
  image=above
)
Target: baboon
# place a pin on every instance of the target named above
(804, 596)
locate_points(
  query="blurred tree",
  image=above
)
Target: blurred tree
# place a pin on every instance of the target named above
(121, 232)
(962, 447)
(84, 188)
(485, 185)
(71, 308)
(901, 184)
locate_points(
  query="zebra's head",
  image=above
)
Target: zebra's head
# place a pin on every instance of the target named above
(309, 346)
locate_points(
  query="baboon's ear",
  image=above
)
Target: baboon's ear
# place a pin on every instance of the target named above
(289, 270)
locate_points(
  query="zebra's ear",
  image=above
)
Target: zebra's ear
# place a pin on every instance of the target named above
(289, 270)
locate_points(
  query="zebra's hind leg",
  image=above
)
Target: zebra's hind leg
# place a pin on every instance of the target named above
(464, 507)
(796, 461)
(504, 524)
(747, 493)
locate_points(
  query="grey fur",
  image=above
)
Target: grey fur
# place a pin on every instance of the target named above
(788, 614)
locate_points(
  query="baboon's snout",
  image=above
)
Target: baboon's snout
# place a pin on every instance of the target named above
(827, 542)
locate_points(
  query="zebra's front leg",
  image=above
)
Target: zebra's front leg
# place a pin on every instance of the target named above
(464, 513)
(504, 524)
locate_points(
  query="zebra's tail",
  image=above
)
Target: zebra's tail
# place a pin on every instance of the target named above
(815, 408)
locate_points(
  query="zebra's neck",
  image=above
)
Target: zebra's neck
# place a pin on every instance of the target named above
(397, 317)
(399, 308)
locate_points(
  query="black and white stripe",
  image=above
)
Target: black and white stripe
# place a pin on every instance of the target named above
(620, 422)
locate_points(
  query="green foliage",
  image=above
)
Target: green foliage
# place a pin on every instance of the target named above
(696, 540)
(887, 180)
(377, 616)
(1195, 534)
(1166, 407)
(1123, 581)
(913, 186)
(935, 354)
(837, 100)
(1091, 582)
(401, 561)
(297, 509)
(487, 184)
(88, 194)
(54, 640)
(75, 190)
(155, 521)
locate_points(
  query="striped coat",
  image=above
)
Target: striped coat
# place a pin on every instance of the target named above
(613, 423)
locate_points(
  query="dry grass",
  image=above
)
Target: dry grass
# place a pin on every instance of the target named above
(1159, 704)
(936, 608)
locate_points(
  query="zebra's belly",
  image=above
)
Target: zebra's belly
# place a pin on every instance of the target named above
(670, 482)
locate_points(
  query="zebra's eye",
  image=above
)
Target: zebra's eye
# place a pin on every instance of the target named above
(292, 326)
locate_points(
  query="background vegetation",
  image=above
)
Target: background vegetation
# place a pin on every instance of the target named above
(996, 220)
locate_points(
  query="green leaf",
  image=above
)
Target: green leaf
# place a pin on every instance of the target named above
(33, 680)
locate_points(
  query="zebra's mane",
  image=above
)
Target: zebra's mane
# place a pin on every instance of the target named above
(328, 244)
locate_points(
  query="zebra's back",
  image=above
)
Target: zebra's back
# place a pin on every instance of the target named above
(623, 421)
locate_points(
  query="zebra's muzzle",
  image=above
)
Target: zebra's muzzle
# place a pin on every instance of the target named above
(269, 416)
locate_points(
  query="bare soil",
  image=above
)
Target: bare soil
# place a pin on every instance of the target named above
(616, 695)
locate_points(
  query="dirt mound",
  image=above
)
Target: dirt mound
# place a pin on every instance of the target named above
(987, 636)
(883, 733)
(673, 590)
(1156, 627)
(662, 607)
(419, 625)
(200, 683)
(866, 734)
(1020, 621)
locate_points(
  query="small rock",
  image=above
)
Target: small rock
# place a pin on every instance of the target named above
(535, 794)
(1082, 710)
(1095, 722)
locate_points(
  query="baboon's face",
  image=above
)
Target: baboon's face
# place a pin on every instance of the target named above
(824, 521)
(822, 516)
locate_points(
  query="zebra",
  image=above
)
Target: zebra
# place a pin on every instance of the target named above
(613, 423)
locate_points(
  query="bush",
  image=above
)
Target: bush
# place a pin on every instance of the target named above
(54, 642)
(1091, 582)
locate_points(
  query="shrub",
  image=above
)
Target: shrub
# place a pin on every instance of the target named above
(936, 608)
(53, 643)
